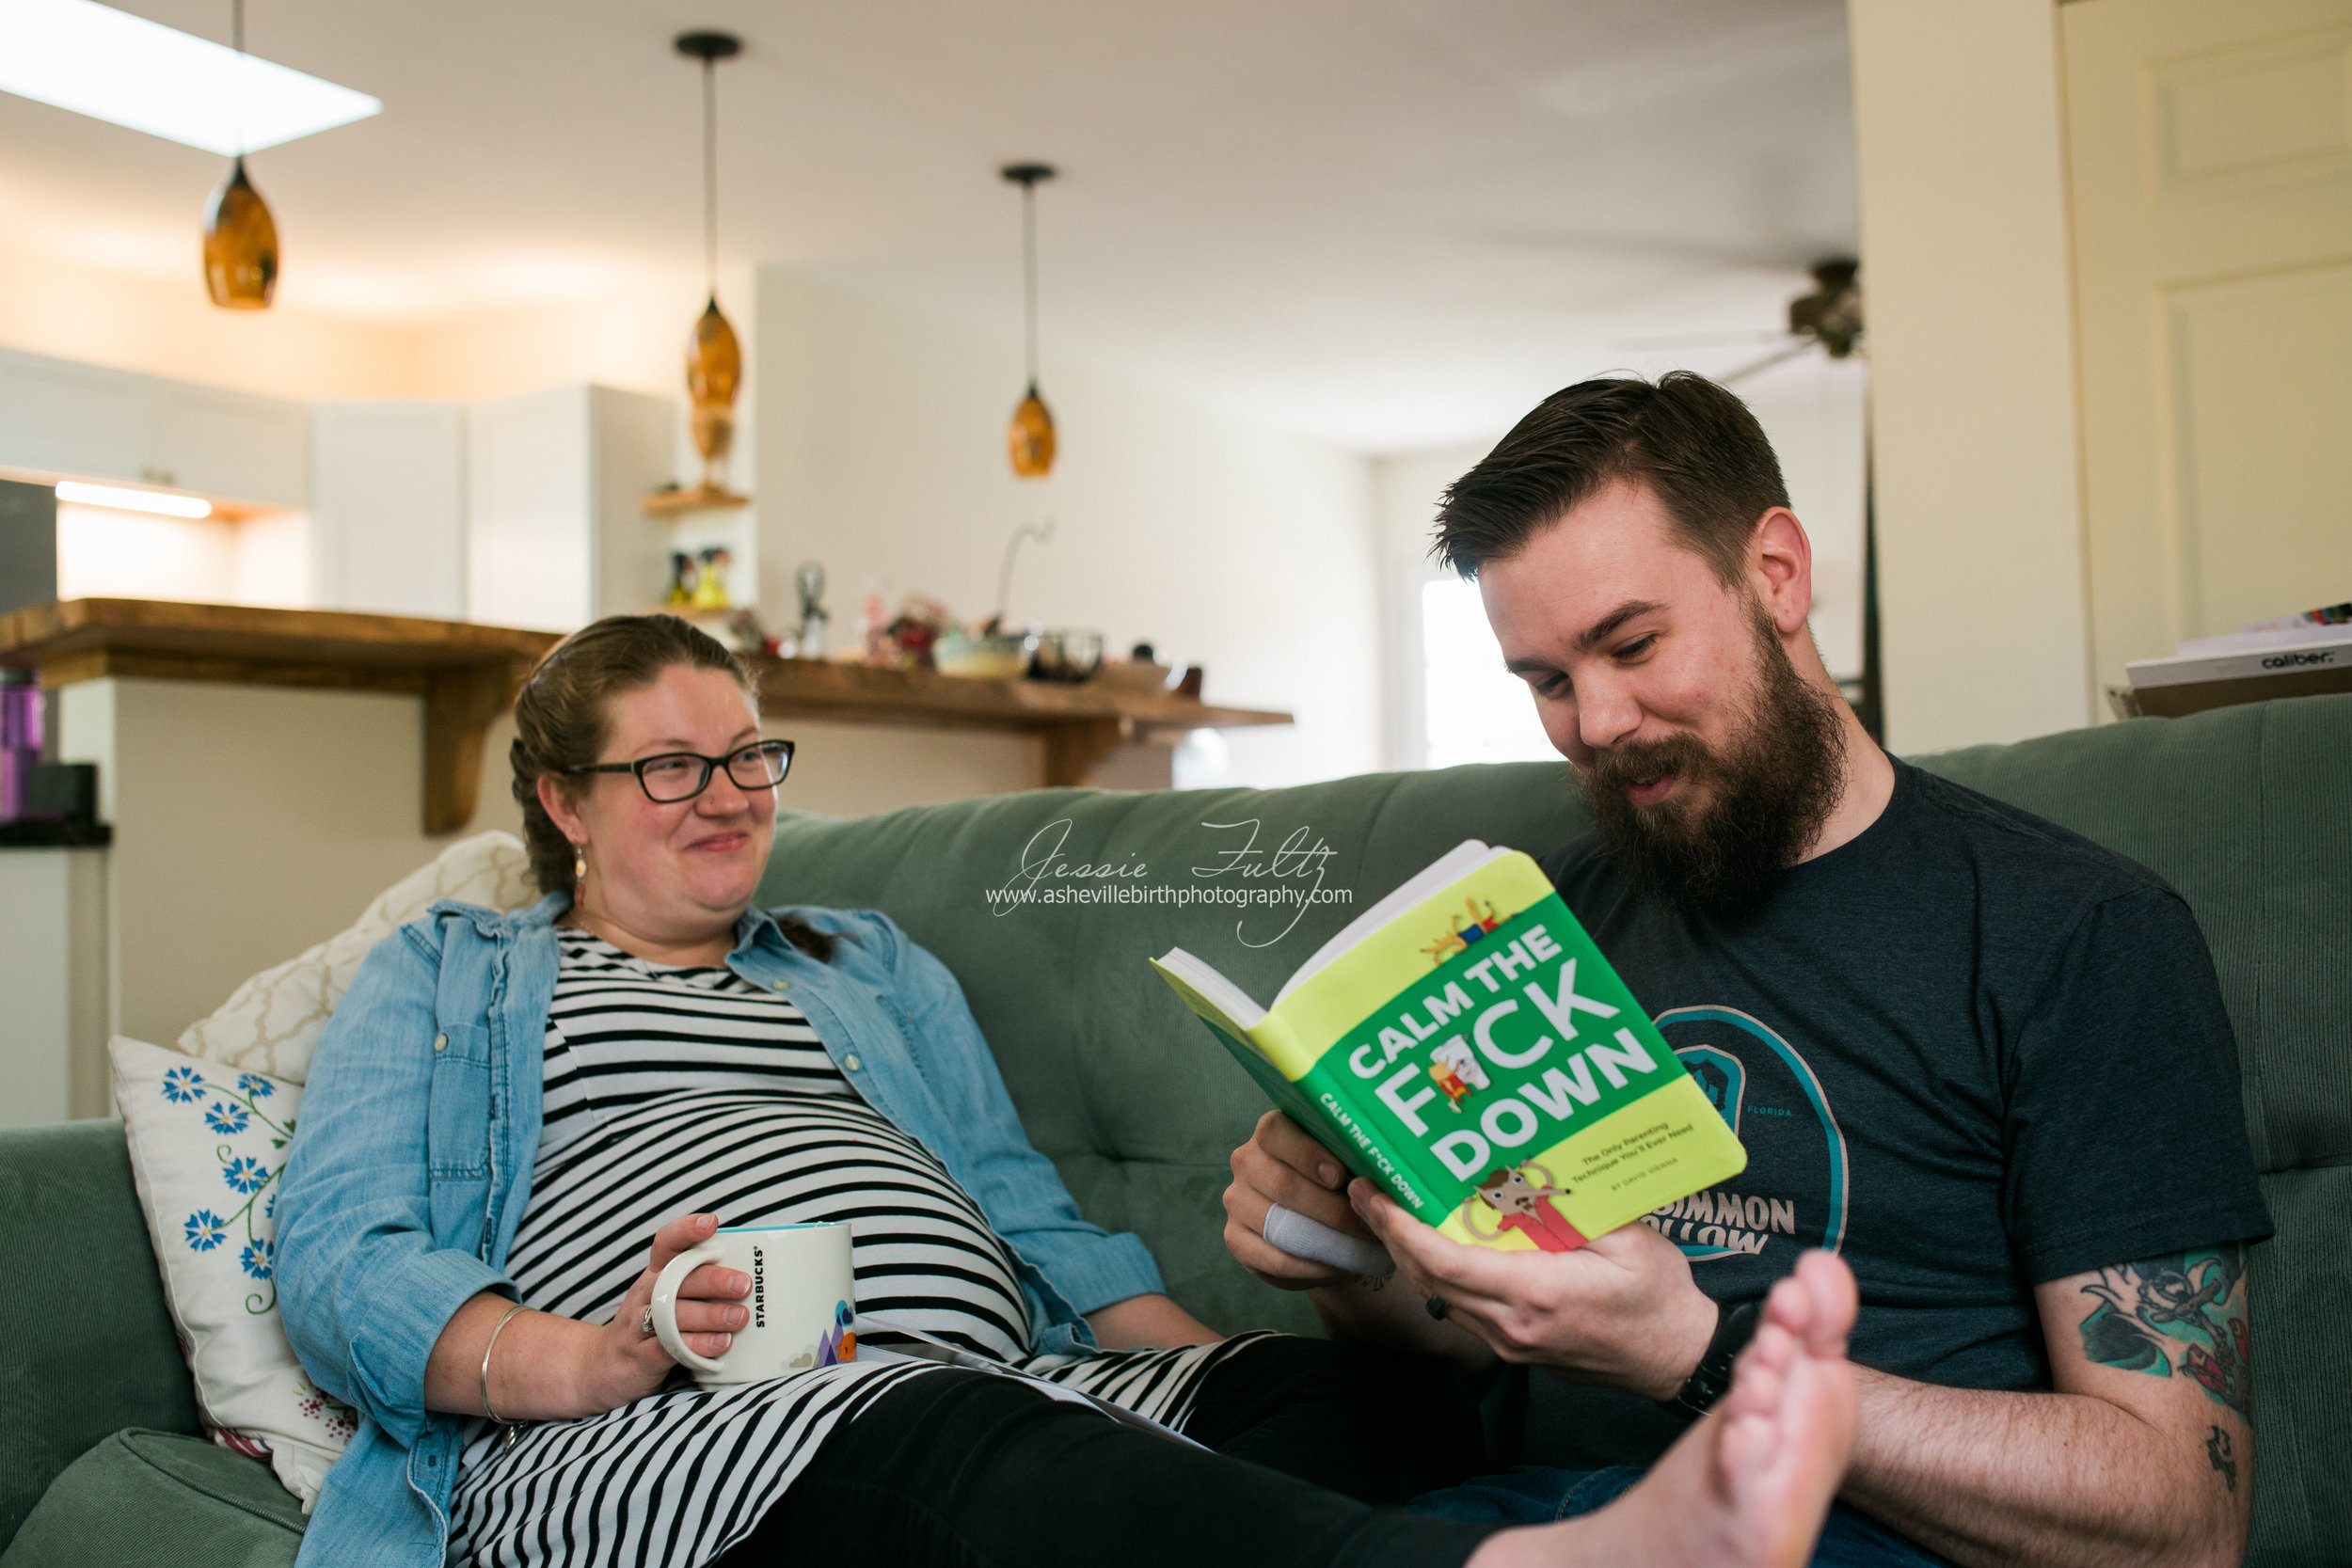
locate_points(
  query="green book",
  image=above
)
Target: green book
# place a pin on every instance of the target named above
(1464, 1045)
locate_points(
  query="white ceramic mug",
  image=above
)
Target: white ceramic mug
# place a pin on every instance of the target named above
(802, 1306)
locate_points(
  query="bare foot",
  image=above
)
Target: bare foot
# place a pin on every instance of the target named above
(1749, 1486)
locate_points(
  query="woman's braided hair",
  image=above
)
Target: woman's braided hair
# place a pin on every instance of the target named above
(561, 721)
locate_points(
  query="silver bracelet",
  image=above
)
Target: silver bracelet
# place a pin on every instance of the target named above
(487, 1408)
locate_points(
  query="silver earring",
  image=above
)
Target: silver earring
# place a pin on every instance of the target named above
(579, 863)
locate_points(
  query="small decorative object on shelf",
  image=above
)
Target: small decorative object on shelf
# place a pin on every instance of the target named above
(808, 580)
(1068, 654)
(985, 655)
(752, 636)
(710, 582)
(1140, 674)
(685, 573)
(906, 641)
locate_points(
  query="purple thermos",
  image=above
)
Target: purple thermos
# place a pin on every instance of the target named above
(19, 743)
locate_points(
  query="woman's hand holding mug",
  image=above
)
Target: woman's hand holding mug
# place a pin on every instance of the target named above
(628, 1363)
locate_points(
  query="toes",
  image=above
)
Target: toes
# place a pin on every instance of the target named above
(1757, 1376)
(1830, 1285)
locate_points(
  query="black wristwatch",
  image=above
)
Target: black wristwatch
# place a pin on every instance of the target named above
(1712, 1380)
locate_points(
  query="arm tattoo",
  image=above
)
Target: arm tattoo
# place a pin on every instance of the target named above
(2186, 1311)
(2218, 1451)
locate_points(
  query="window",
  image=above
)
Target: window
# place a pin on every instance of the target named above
(1473, 710)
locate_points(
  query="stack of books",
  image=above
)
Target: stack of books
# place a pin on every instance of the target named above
(2295, 656)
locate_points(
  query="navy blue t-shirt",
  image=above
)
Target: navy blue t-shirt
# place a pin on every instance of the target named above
(1968, 1050)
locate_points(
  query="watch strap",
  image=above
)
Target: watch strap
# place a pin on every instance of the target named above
(1709, 1382)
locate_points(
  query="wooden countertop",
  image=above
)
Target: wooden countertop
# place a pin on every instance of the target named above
(468, 674)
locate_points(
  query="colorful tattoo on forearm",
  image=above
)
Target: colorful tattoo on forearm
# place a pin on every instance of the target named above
(2186, 1311)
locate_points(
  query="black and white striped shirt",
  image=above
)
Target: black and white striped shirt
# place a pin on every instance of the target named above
(676, 1090)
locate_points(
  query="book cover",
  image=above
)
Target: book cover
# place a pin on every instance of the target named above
(1464, 1046)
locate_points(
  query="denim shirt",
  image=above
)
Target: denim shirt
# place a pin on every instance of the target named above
(412, 1167)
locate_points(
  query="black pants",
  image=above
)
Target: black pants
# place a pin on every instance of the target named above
(972, 1470)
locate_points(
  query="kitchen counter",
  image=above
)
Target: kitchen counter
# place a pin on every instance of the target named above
(468, 674)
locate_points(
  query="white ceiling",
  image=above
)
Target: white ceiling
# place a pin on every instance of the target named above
(1387, 223)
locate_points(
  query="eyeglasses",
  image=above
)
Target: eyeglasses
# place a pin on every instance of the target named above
(676, 776)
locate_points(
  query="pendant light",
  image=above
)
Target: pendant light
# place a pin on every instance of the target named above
(714, 358)
(240, 237)
(1032, 439)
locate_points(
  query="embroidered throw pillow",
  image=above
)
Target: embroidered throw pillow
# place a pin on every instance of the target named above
(272, 1022)
(207, 1144)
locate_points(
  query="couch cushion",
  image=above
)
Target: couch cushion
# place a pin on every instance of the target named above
(86, 1345)
(2247, 810)
(160, 1498)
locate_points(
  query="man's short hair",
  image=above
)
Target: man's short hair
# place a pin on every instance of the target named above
(1692, 443)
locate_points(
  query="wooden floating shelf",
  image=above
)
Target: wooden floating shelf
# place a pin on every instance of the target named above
(468, 674)
(1081, 722)
(700, 498)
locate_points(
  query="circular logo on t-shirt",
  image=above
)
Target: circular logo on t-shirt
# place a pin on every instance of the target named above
(1792, 1196)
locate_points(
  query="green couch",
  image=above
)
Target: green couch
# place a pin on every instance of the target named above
(2247, 810)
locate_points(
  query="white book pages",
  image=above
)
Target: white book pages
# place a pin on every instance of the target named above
(1229, 997)
(1453, 866)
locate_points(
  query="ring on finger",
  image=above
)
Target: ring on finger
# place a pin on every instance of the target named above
(644, 1319)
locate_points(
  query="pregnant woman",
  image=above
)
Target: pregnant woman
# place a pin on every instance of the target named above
(516, 1121)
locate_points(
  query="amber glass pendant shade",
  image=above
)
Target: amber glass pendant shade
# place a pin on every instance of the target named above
(239, 245)
(1031, 437)
(714, 367)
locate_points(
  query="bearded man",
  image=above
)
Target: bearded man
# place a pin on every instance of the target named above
(1980, 1057)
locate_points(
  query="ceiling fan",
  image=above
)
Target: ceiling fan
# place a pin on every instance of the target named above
(1829, 319)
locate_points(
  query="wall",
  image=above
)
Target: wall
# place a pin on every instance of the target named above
(138, 324)
(1964, 264)
(881, 455)
(249, 823)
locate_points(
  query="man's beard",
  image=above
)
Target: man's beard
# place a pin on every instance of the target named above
(1773, 788)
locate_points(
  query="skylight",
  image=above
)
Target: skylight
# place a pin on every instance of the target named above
(115, 67)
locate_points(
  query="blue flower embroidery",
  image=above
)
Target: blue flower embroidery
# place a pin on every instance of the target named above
(258, 1257)
(269, 1209)
(205, 1231)
(180, 1083)
(256, 1085)
(246, 1174)
(223, 1116)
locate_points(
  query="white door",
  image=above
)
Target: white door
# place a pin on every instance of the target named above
(2210, 151)
(387, 507)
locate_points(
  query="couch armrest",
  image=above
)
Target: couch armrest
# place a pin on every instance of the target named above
(86, 1346)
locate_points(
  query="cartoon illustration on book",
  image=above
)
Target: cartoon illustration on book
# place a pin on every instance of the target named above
(1456, 1072)
(1524, 1206)
(1458, 936)
(840, 1343)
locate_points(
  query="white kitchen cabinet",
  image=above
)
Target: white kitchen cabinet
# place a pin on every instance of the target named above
(232, 446)
(387, 507)
(58, 417)
(556, 529)
(87, 421)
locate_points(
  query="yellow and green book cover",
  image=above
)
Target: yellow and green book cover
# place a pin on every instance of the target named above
(1464, 1045)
